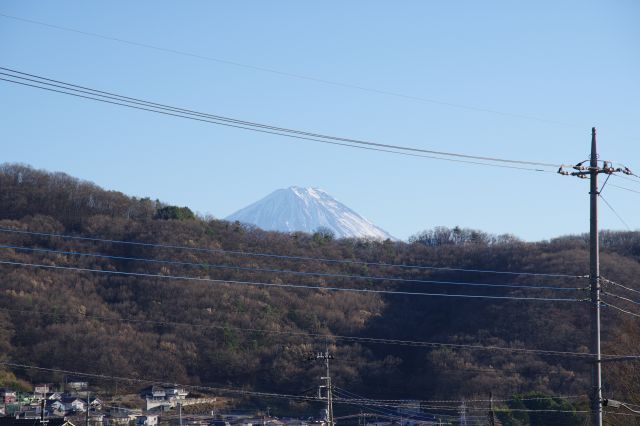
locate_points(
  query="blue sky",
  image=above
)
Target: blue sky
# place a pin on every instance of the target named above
(573, 64)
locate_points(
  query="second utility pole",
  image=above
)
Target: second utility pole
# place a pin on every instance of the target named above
(594, 278)
(592, 173)
(326, 356)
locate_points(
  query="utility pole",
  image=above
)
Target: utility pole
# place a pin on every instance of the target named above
(463, 413)
(326, 356)
(492, 418)
(86, 419)
(180, 412)
(591, 172)
(594, 280)
(43, 422)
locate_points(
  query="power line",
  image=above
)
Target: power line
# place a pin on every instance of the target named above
(631, 178)
(421, 404)
(615, 212)
(620, 285)
(626, 299)
(626, 189)
(454, 401)
(325, 337)
(253, 129)
(135, 103)
(285, 271)
(617, 308)
(280, 256)
(278, 285)
(293, 75)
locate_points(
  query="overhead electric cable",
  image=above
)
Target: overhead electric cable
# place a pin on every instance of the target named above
(327, 337)
(286, 271)
(280, 256)
(617, 284)
(282, 285)
(615, 212)
(617, 308)
(626, 189)
(419, 404)
(293, 75)
(288, 135)
(137, 101)
(454, 401)
(616, 296)
(231, 122)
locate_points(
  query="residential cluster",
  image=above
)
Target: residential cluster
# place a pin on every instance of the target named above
(76, 406)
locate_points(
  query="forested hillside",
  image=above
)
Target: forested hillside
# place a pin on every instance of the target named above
(218, 331)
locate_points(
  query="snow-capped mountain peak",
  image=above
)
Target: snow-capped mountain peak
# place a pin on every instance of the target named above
(307, 209)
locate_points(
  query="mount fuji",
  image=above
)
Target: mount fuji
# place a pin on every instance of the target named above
(307, 209)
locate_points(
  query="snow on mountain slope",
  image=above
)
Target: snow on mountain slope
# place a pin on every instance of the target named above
(307, 209)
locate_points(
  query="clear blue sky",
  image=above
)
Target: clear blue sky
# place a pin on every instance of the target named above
(576, 62)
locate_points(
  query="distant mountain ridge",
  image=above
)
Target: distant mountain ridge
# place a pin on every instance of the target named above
(307, 209)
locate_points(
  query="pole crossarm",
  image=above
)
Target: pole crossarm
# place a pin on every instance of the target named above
(584, 172)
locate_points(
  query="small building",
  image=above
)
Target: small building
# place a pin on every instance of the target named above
(154, 393)
(175, 393)
(96, 419)
(54, 396)
(77, 384)
(41, 390)
(147, 420)
(117, 418)
(74, 404)
(56, 407)
(8, 396)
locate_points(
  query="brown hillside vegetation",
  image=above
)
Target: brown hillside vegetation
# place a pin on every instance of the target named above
(214, 332)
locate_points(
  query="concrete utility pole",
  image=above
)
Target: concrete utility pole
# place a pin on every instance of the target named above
(463, 413)
(594, 278)
(326, 356)
(492, 418)
(591, 172)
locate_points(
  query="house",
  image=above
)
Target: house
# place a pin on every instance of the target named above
(154, 393)
(164, 393)
(30, 413)
(54, 396)
(175, 393)
(147, 420)
(163, 397)
(41, 390)
(117, 418)
(56, 407)
(295, 422)
(96, 419)
(74, 404)
(8, 396)
(77, 384)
